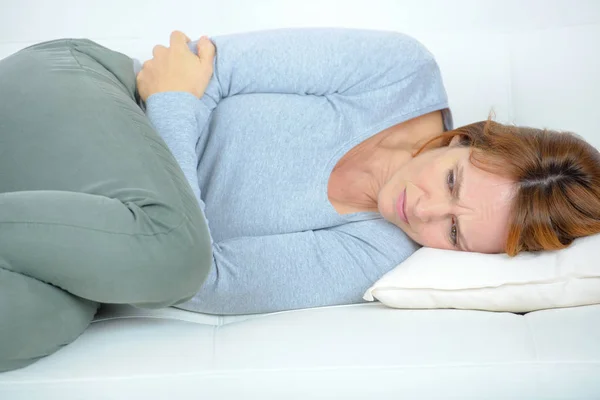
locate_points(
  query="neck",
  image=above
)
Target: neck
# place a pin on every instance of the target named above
(362, 176)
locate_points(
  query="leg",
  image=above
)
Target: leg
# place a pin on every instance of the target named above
(37, 319)
(94, 202)
(139, 251)
(93, 206)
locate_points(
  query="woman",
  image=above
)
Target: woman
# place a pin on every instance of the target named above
(308, 171)
(322, 158)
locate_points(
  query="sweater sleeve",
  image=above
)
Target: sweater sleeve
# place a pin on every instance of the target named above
(312, 268)
(178, 118)
(368, 75)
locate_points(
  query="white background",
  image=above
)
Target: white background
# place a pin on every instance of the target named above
(534, 62)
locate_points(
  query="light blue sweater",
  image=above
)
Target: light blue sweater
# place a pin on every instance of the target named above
(282, 107)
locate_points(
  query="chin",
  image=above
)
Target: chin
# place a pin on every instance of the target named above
(386, 209)
(382, 209)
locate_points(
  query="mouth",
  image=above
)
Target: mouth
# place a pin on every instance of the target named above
(401, 207)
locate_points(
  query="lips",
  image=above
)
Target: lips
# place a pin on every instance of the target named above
(401, 206)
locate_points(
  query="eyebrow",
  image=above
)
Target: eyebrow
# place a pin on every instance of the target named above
(458, 186)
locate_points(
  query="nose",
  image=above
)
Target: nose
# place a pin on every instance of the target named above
(428, 209)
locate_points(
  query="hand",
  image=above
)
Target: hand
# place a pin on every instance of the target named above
(177, 68)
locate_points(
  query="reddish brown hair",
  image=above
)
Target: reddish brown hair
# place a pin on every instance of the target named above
(556, 175)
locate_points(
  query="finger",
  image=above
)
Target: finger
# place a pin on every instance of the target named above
(206, 49)
(179, 39)
(157, 50)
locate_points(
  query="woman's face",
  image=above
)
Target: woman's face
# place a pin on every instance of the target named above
(441, 200)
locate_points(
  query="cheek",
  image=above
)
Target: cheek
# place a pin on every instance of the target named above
(430, 235)
(422, 171)
(391, 188)
(423, 235)
(414, 169)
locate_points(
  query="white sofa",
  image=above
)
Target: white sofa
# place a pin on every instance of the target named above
(535, 62)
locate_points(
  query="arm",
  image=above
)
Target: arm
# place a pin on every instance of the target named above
(177, 116)
(171, 84)
(297, 270)
(354, 69)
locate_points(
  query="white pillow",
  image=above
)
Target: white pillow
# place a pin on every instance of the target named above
(433, 278)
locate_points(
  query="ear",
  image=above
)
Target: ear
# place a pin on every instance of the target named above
(455, 141)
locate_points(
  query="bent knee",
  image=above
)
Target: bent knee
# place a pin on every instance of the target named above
(176, 268)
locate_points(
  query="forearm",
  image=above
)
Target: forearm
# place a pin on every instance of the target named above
(316, 61)
(356, 70)
(179, 117)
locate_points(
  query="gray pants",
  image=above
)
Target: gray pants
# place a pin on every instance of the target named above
(93, 207)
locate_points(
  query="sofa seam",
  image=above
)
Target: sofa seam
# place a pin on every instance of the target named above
(533, 341)
(230, 372)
